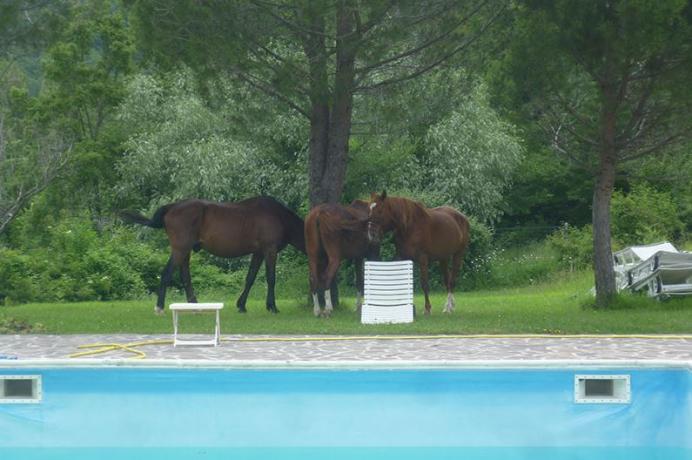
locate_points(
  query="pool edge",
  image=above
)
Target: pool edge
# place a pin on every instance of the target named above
(349, 364)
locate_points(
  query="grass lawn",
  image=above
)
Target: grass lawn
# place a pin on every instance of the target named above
(550, 308)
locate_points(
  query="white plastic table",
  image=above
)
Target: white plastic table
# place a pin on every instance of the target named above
(192, 307)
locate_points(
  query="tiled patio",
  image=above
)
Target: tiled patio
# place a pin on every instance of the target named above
(318, 348)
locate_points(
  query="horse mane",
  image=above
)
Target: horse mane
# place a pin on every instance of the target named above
(406, 212)
(347, 218)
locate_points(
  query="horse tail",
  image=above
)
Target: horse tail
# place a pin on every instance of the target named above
(312, 236)
(465, 229)
(136, 218)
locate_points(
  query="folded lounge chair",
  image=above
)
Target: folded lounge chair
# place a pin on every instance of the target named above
(660, 269)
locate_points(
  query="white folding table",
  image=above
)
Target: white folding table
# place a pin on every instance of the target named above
(196, 307)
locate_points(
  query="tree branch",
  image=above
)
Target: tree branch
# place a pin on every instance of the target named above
(435, 63)
(658, 145)
(266, 88)
(424, 45)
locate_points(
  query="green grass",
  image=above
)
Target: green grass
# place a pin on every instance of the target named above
(555, 307)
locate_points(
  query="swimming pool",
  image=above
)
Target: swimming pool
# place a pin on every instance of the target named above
(346, 412)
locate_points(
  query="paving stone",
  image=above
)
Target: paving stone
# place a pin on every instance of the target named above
(308, 349)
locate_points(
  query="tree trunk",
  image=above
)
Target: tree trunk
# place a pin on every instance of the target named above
(316, 52)
(331, 111)
(602, 251)
(603, 192)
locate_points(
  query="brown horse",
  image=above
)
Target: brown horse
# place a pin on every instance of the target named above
(422, 235)
(259, 226)
(334, 232)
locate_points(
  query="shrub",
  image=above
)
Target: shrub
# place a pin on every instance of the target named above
(573, 245)
(476, 269)
(17, 281)
(645, 216)
(14, 326)
(523, 265)
(74, 261)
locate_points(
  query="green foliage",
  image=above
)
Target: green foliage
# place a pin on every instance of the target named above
(180, 148)
(479, 255)
(574, 246)
(14, 326)
(71, 260)
(17, 283)
(472, 157)
(467, 160)
(377, 164)
(645, 216)
(86, 68)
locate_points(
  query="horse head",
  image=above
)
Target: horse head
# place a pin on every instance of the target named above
(379, 216)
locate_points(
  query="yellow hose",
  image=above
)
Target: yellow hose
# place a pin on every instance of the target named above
(130, 347)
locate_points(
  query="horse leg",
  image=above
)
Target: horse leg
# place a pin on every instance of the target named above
(255, 263)
(166, 276)
(423, 262)
(314, 267)
(332, 268)
(187, 279)
(360, 282)
(270, 262)
(457, 262)
(334, 290)
(444, 270)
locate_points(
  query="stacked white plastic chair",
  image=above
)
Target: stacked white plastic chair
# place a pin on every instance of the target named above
(388, 292)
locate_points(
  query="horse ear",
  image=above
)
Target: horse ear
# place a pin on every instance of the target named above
(384, 194)
(373, 196)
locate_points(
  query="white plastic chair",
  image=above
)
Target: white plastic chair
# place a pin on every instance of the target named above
(388, 292)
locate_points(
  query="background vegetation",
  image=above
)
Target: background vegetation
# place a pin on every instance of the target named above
(94, 118)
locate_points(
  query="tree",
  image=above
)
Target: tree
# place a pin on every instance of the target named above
(57, 117)
(607, 81)
(32, 154)
(314, 56)
(178, 147)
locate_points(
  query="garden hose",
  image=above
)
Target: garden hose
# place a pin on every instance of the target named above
(138, 354)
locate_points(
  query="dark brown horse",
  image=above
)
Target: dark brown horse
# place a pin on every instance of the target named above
(259, 226)
(332, 233)
(423, 235)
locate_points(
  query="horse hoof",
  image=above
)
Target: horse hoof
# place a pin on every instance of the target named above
(427, 312)
(242, 310)
(158, 310)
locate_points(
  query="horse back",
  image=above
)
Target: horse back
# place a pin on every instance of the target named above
(333, 228)
(229, 229)
(449, 229)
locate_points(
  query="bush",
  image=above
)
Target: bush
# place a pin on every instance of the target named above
(524, 265)
(645, 216)
(476, 269)
(573, 245)
(76, 262)
(17, 280)
(13, 326)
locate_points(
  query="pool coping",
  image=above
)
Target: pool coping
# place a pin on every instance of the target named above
(517, 364)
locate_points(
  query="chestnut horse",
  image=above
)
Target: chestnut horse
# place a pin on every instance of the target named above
(259, 226)
(423, 235)
(332, 233)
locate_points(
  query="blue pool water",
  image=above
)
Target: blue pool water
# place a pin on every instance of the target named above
(128, 413)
